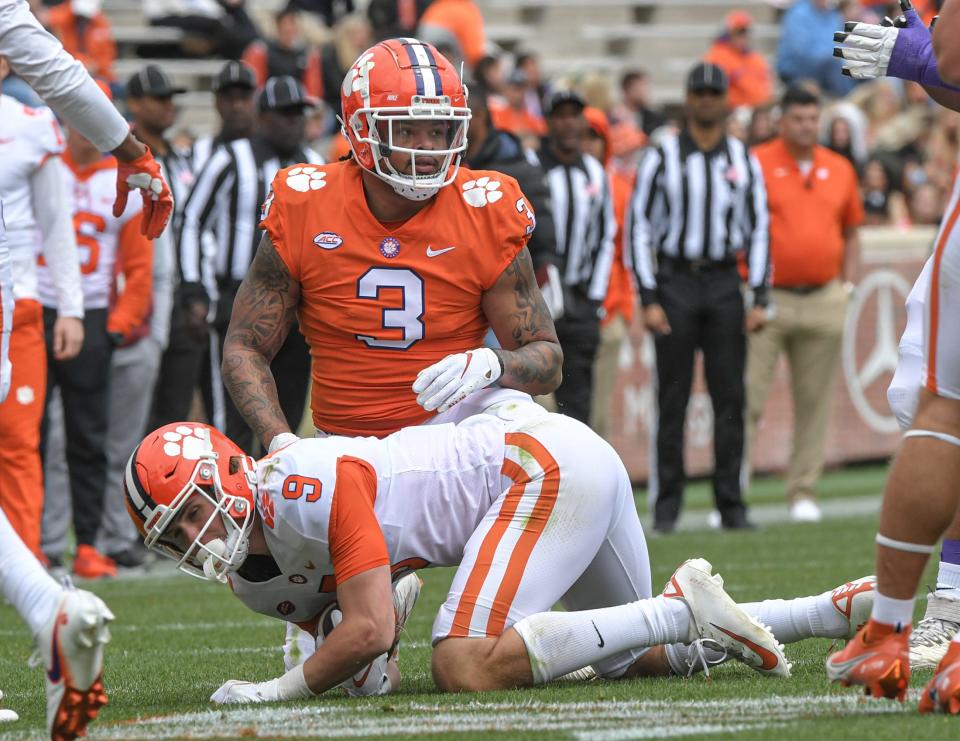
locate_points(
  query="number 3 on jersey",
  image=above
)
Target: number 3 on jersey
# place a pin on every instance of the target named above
(407, 317)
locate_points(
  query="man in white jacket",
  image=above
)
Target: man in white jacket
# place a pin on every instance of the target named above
(69, 625)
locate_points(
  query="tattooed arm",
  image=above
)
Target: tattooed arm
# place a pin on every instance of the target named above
(263, 312)
(530, 351)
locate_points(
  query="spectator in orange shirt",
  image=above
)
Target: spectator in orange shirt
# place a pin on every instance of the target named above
(750, 81)
(85, 32)
(617, 147)
(814, 202)
(512, 113)
(463, 20)
(287, 55)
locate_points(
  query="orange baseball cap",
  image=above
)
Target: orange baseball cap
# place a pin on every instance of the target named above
(738, 20)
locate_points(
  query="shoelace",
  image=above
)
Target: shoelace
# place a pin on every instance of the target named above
(933, 631)
(699, 656)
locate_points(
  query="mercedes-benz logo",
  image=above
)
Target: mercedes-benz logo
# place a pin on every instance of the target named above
(861, 372)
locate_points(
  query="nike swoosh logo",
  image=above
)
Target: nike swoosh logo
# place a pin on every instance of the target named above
(54, 673)
(363, 679)
(842, 667)
(602, 642)
(767, 656)
(433, 253)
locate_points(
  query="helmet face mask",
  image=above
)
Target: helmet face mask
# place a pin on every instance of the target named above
(157, 510)
(403, 83)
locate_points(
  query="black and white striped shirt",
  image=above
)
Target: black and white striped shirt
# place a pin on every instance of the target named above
(582, 199)
(694, 207)
(226, 200)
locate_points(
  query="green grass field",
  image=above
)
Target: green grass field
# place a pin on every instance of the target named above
(177, 639)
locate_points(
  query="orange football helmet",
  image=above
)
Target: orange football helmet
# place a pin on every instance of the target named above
(390, 89)
(169, 467)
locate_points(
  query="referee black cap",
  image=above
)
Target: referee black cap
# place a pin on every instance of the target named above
(706, 76)
(234, 74)
(152, 82)
(559, 97)
(284, 92)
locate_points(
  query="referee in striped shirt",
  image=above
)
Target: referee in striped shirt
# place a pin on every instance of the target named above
(699, 203)
(226, 200)
(582, 203)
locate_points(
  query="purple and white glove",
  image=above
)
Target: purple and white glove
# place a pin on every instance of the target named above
(902, 49)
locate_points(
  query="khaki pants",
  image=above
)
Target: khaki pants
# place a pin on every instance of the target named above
(605, 366)
(809, 328)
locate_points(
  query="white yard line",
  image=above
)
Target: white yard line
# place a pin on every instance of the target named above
(605, 720)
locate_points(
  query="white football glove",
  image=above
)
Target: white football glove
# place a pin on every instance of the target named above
(290, 686)
(867, 50)
(454, 378)
(281, 441)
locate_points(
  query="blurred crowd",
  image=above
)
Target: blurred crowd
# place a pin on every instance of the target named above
(281, 95)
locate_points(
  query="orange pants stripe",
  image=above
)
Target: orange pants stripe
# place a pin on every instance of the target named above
(934, 304)
(21, 475)
(513, 574)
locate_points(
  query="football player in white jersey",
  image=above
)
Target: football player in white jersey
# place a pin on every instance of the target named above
(923, 489)
(115, 266)
(73, 653)
(531, 511)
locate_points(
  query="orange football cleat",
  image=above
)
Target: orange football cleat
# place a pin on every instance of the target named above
(943, 692)
(91, 564)
(877, 658)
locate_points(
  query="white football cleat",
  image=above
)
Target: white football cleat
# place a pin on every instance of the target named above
(70, 648)
(7, 716)
(854, 602)
(373, 678)
(406, 592)
(716, 617)
(931, 638)
(805, 510)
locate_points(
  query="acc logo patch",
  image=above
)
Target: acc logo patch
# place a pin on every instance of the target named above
(390, 247)
(286, 607)
(328, 240)
(298, 579)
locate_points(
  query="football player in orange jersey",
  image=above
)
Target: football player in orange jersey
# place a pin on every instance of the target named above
(396, 262)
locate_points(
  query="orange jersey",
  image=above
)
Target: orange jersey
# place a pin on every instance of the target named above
(379, 303)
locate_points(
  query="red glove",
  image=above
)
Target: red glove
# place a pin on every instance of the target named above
(144, 173)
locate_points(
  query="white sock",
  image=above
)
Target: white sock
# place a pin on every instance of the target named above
(948, 578)
(23, 581)
(890, 611)
(561, 642)
(792, 620)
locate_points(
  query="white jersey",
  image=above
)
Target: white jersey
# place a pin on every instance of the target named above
(93, 189)
(28, 137)
(434, 485)
(58, 78)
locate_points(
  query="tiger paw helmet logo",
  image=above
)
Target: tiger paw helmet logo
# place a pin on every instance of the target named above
(357, 80)
(303, 179)
(478, 193)
(188, 442)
